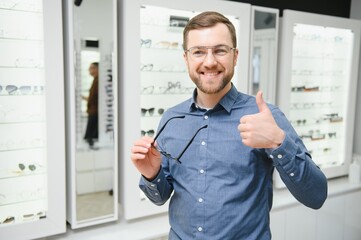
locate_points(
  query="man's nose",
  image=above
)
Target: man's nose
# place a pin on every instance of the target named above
(210, 59)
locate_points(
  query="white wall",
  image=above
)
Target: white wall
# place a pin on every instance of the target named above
(355, 13)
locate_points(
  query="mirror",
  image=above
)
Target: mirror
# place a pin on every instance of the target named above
(263, 60)
(92, 92)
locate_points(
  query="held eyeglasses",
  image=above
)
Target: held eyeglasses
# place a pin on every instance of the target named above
(168, 155)
(199, 53)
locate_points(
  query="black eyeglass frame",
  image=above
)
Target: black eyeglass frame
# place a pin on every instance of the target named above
(168, 155)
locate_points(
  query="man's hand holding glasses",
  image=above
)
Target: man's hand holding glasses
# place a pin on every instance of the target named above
(146, 155)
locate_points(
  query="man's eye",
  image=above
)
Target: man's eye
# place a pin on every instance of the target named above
(220, 51)
(199, 52)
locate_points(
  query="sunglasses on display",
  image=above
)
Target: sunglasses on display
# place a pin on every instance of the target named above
(23, 90)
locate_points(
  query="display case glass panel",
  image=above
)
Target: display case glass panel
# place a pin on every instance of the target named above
(23, 121)
(32, 150)
(317, 90)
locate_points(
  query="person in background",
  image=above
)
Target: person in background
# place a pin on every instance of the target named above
(215, 153)
(91, 132)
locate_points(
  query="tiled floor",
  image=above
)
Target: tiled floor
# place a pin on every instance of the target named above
(94, 205)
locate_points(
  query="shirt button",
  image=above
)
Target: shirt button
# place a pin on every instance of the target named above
(279, 156)
(200, 199)
(156, 194)
(201, 171)
(200, 229)
(271, 156)
(158, 180)
(152, 185)
(203, 143)
(292, 174)
(206, 117)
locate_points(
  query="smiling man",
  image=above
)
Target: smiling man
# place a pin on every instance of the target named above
(215, 153)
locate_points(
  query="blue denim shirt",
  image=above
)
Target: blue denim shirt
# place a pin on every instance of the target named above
(223, 189)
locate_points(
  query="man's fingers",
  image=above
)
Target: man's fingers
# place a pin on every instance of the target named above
(262, 105)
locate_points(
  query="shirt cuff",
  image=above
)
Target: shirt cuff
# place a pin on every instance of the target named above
(283, 154)
(160, 178)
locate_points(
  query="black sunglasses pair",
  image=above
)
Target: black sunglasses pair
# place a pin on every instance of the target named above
(168, 155)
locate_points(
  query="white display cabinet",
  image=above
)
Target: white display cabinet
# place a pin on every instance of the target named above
(92, 169)
(264, 52)
(317, 84)
(154, 75)
(32, 143)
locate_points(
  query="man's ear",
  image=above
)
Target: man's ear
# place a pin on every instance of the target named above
(185, 58)
(235, 57)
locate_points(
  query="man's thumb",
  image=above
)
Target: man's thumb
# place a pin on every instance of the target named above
(262, 105)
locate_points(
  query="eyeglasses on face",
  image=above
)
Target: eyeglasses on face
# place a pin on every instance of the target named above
(198, 53)
(168, 155)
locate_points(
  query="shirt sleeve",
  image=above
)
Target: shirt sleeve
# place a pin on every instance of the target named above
(158, 190)
(301, 175)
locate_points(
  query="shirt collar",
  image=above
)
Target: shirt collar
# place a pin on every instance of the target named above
(226, 102)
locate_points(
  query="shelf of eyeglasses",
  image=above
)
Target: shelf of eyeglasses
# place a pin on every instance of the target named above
(327, 164)
(170, 88)
(160, 45)
(19, 116)
(321, 37)
(320, 150)
(27, 191)
(19, 38)
(149, 112)
(174, 28)
(309, 72)
(325, 118)
(13, 147)
(13, 90)
(315, 105)
(22, 171)
(5, 220)
(316, 135)
(322, 56)
(321, 89)
(149, 68)
(22, 6)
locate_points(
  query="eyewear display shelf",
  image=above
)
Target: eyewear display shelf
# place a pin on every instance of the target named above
(153, 60)
(317, 90)
(32, 204)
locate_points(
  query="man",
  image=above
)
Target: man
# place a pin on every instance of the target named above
(92, 128)
(220, 148)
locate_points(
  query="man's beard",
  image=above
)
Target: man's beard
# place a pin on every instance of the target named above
(212, 89)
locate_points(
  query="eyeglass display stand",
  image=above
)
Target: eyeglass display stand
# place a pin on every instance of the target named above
(153, 60)
(32, 202)
(317, 88)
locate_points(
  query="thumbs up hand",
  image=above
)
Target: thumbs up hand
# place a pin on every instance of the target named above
(260, 130)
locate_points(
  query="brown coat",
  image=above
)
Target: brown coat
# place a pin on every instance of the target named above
(92, 107)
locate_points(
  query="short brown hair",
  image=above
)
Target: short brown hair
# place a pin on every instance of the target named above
(205, 20)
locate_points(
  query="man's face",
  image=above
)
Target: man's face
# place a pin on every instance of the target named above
(212, 73)
(93, 70)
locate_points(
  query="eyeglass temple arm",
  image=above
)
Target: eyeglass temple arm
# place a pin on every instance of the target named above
(190, 142)
(161, 130)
